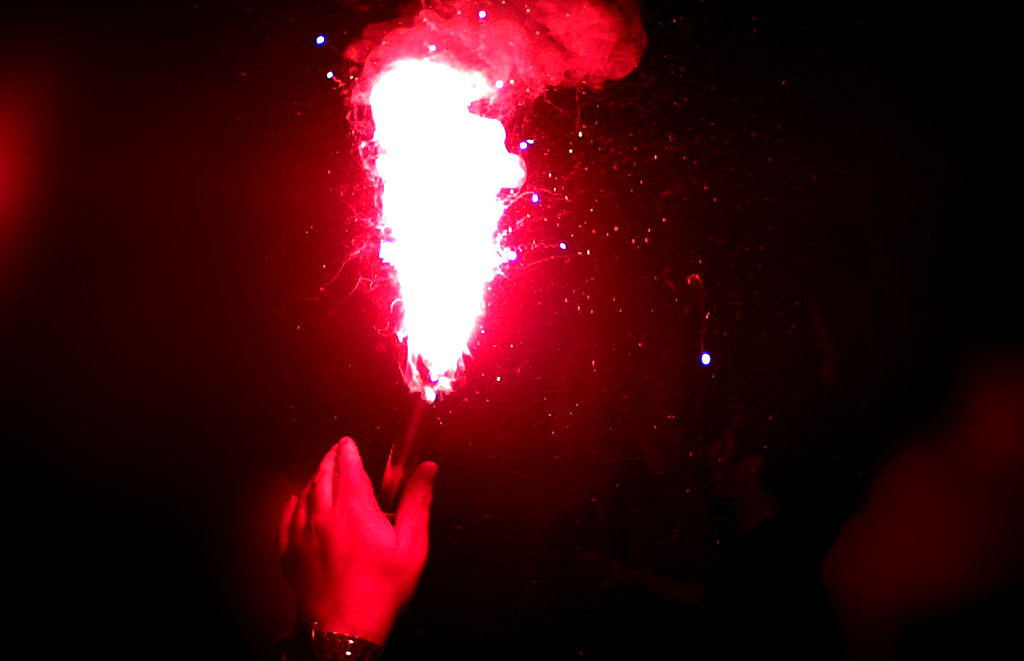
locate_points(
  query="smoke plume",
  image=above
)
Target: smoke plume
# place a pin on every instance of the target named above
(528, 45)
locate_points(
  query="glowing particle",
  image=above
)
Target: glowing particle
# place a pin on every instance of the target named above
(330, 74)
(482, 14)
(562, 245)
(321, 40)
(705, 359)
(432, 48)
(523, 145)
(535, 198)
(499, 84)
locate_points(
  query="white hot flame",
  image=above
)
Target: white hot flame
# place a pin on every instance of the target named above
(442, 169)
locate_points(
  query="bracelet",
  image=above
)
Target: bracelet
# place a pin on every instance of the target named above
(317, 644)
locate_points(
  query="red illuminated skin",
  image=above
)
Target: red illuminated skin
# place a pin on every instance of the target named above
(352, 570)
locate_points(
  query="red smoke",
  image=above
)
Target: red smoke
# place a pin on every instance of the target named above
(528, 45)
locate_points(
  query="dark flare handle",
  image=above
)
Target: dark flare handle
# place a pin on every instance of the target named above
(403, 460)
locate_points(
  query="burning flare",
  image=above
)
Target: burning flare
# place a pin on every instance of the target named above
(443, 170)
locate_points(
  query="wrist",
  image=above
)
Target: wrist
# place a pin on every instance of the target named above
(314, 642)
(359, 617)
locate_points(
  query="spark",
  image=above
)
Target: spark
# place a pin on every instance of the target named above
(443, 170)
(321, 40)
(705, 359)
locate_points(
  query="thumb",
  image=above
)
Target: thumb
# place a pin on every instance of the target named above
(413, 518)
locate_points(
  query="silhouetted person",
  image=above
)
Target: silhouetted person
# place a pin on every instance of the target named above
(764, 591)
(935, 561)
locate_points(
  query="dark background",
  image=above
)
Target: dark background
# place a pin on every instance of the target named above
(839, 176)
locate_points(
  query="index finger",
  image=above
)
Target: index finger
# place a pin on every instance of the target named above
(352, 487)
(324, 485)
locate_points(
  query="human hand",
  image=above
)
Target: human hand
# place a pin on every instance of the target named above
(352, 570)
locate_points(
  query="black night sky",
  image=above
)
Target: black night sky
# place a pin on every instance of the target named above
(190, 321)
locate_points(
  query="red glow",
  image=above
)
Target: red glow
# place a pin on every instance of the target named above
(443, 170)
(26, 120)
(14, 154)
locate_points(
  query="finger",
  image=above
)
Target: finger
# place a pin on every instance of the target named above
(352, 487)
(301, 516)
(285, 523)
(414, 510)
(324, 488)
